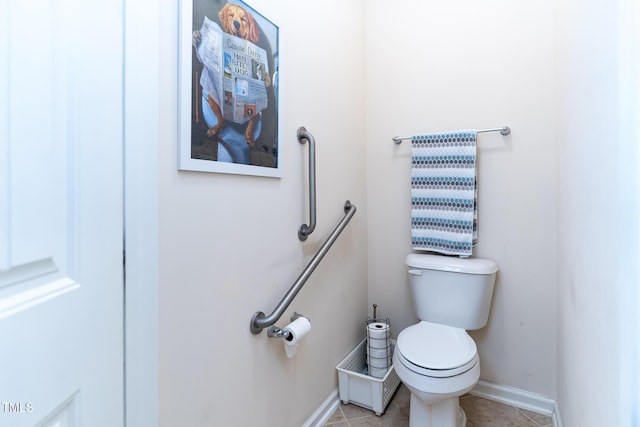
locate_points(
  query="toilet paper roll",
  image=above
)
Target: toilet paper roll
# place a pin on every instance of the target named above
(379, 352)
(378, 372)
(376, 362)
(377, 343)
(378, 330)
(297, 329)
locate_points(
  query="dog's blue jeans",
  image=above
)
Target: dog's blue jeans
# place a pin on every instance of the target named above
(233, 148)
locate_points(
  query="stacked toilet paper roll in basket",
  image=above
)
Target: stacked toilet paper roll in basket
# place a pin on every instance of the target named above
(379, 351)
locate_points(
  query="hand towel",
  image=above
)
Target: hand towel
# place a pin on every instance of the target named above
(444, 192)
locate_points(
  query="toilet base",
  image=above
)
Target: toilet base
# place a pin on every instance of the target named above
(463, 418)
(446, 413)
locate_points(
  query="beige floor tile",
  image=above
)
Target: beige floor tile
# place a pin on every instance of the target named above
(402, 395)
(336, 417)
(395, 416)
(541, 420)
(352, 411)
(487, 413)
(368, 422)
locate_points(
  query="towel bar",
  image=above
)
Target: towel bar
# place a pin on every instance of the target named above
(504, 130)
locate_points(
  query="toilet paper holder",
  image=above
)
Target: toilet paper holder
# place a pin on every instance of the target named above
(275, 332)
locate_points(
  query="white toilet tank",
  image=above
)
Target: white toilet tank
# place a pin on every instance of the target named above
(450, 290)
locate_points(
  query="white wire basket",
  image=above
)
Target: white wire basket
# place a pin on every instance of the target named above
(358, 387)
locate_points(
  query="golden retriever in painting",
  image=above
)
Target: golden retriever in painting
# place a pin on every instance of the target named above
(239, 22)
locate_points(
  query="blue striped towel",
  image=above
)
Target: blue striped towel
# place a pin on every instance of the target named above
(443, 192)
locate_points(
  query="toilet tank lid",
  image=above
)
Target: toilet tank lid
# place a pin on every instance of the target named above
(450, 263)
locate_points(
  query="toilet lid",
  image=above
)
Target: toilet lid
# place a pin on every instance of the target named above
(436, 347)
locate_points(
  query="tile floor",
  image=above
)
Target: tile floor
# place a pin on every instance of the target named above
(480, 413)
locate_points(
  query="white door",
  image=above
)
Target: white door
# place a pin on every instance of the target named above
(61, 203)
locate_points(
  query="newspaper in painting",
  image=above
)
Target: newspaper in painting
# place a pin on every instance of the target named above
(234, 72)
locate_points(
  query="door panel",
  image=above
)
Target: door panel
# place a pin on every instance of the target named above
(61, 230)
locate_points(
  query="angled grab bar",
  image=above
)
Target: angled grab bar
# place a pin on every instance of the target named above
(259, 321)
(305, 230)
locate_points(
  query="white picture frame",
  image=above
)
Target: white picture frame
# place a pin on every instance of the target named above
(244, 70)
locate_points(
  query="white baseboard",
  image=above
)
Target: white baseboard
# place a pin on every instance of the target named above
(557, 421)
(324, 412)
(519, 398)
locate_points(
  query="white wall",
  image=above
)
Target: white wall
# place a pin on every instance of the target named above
(229, 246)
(598, 212)
(433, 66)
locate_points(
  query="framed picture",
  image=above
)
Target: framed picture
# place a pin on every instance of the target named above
(228, 89)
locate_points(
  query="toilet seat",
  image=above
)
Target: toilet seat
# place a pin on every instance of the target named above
(436, 350)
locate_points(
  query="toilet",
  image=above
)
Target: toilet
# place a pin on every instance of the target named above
(436, 358)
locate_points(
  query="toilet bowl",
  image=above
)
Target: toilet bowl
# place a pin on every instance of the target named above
(436, 358)
(437, 363)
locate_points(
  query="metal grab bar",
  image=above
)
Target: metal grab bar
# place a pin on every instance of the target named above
(305, 230)
(259, 321)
